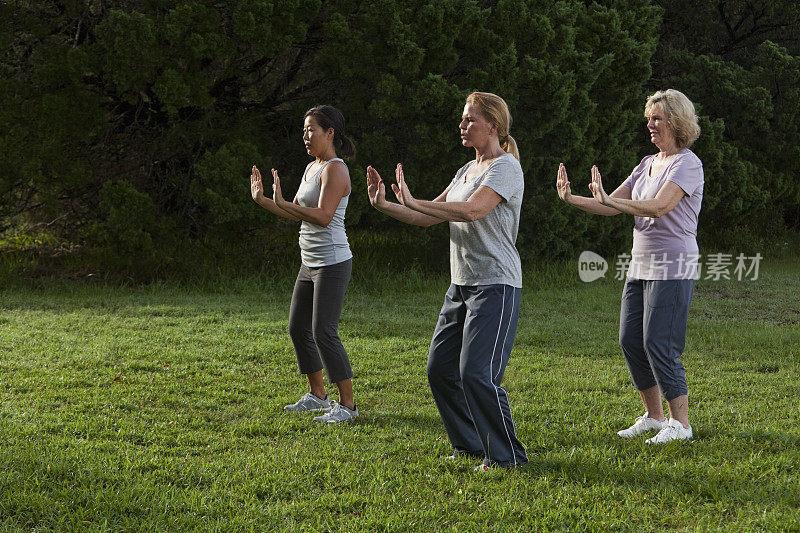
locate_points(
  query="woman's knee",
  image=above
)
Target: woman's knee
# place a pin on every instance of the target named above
(297, 329)
(326, 335)
(434, 368)
(628, 342)
(472, 377)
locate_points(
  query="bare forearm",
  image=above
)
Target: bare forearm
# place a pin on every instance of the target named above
(315, 215)
(451, 211)
(590, 205)
(409, 216)
(270, 206)
(653, 207)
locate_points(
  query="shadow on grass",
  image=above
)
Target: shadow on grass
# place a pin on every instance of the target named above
(677, 470)
(429, 423)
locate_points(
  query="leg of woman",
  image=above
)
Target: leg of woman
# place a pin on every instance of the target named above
(345, 387)
(300, 314)
(653, 404)
(316, 384)
(631, 340)
(666, 315)
(330, 286)
(444, 377)
(490, 326)
(679, 409)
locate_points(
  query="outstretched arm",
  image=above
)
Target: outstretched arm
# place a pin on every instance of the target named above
(334, 184)
(477, 206)
(588, 204)
(665, 201)
(257, 192)
(377, 197)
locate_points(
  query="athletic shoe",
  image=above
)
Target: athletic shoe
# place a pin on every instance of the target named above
(481, 468)
(642, 425)
(309, 402)
(458, 454)
(674, 430)
(339, 413)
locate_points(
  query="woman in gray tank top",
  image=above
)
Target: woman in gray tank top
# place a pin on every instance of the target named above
(475, 332)
(319, 205)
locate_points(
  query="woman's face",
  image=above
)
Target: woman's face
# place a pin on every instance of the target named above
(661, 133)
(475, 129)
(316, 139)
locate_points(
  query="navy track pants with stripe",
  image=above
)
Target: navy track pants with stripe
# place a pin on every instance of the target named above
(469, 352)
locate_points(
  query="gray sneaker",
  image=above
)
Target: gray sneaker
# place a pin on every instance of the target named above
(339, 413)
(309, 402)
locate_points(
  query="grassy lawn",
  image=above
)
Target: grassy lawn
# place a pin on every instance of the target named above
(161, 408)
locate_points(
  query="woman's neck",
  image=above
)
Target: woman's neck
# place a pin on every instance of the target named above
(491, 150)
(668, 150)
(327, 156)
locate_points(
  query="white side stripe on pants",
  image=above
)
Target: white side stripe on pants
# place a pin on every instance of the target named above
(491, 368)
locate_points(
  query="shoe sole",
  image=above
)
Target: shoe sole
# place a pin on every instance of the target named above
(637, 434)
(687, 439)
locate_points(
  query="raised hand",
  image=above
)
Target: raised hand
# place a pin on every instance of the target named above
(562, 183)
(277, 195)
(596, 186)
(256, 187)
(400, 189)
(375, 188)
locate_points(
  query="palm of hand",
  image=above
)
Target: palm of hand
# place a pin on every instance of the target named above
(256, 187)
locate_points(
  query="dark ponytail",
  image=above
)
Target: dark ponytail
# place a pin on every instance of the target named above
(328, 117)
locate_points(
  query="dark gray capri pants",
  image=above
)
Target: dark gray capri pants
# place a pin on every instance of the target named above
(468, 355)
(652, 333)
(314, 320)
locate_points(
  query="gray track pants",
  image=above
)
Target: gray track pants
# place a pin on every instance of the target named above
(468, 354)
(652, 333)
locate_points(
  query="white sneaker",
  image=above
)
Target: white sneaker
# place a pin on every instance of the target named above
(339, 413)
(642, 425)
(674, 430)
(309, 402)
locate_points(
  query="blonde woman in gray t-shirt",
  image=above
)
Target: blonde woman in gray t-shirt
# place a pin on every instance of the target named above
(319, 205)
(478, 321)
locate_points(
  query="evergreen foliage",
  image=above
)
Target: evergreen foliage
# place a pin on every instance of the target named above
(131, 127)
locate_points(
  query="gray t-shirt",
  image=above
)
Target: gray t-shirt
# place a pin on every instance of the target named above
(483, 252)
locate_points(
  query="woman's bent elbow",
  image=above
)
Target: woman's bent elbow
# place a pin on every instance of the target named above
(472, 216)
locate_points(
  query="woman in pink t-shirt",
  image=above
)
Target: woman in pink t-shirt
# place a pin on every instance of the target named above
(664, 193)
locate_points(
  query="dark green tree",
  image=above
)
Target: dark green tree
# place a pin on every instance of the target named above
(739, 61)
(130, 127)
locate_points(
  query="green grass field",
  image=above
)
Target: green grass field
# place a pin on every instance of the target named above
(161, 408)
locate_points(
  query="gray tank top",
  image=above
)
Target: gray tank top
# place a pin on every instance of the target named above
(321, 246)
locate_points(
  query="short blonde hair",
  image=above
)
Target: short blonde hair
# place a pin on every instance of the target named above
(495, 110)
(679, 113)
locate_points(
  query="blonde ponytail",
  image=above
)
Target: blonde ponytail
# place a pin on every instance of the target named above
(510, 146)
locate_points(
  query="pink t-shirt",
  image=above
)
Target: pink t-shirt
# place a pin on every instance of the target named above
(666, 247)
